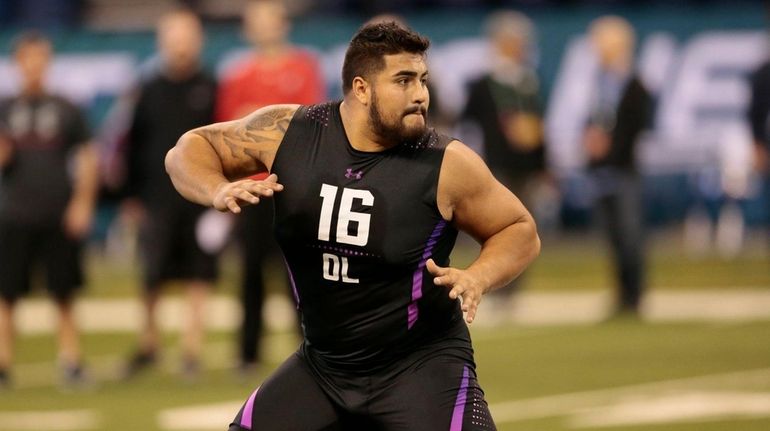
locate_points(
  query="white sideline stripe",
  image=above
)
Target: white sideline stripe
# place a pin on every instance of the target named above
(671, 408)
(647, 403)
(201, 417)
(223, 313)
(51, 420)
(527, 308)
(563, 404)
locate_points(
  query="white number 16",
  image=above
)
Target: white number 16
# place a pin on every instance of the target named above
(346, 215)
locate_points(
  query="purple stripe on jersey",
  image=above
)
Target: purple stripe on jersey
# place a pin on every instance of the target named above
(462, 395)
(412, 311)
(248, 410)
(293, 285)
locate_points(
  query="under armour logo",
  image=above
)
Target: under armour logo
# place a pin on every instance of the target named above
(350, 174)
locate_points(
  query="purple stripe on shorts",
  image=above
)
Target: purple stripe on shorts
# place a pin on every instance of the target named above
(293, 285)
(412, 311)
(462, 395)
(247, 410)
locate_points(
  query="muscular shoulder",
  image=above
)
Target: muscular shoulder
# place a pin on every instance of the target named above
(249, 145)
(463, 173)
(271, 117)
(266, 125)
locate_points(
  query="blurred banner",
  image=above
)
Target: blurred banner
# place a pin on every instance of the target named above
(695, 60)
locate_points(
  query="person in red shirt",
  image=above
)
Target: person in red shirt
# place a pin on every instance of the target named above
(275, 72)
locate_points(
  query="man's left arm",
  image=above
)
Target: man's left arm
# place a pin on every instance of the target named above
(80, 209)
(79, 213)
(757, 114)
(6, 151)
(476, 203)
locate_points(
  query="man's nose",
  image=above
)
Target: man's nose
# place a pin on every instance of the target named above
(420, 95)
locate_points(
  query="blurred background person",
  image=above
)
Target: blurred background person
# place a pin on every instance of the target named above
(505, 105)
(275, 72)
(179, 95)
(46, 208)
(619, 112)
(759, 120)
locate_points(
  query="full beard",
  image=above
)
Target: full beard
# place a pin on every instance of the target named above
(396, 133)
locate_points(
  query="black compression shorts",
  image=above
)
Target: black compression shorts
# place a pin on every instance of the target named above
(437, 392)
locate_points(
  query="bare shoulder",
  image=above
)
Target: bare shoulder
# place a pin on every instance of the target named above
(265, 125)
(463, 169)
(273, 118)
(254, 138)
(463, 173)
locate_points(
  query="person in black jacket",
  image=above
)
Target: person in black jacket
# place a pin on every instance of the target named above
(759, 119)
(505, 105)
(177, 96)
(619, 113)
(48, 188)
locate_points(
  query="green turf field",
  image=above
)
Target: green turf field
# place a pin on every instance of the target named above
(618, 375)
(546, 378)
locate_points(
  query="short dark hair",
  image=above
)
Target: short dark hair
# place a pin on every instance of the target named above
(29, 37)
(365, 54)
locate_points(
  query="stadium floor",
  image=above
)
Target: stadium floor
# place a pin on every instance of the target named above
(524, 308)
(673, 371)
(549, 360)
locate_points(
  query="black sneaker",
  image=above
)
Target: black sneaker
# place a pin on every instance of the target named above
(139, 362)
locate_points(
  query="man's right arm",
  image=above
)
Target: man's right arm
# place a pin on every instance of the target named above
(6, 151)
(207, 164)
(757, 114)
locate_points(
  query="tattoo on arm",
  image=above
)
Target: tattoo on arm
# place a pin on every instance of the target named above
(277, 119)
(245, 146)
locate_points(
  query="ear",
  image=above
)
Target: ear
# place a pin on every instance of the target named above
(361, 90)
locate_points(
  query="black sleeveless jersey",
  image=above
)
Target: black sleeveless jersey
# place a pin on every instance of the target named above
(356, 229)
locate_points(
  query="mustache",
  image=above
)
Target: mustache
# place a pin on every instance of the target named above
(415, 109)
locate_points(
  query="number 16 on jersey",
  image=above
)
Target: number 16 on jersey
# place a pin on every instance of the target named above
(335, 268)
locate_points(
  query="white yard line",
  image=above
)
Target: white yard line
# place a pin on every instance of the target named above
(564, 404)
(223, 313)
(526, 308)
(665, 401)
(200, 417)
(691, 406)
(50, 420)
(647, 403)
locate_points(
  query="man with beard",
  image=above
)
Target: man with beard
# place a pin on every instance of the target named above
(367, 213)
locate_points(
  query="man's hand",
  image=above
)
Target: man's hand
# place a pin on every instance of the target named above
(232, 196)
(6, 151)
(761, 158)
(78, 218)
(462, 284)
